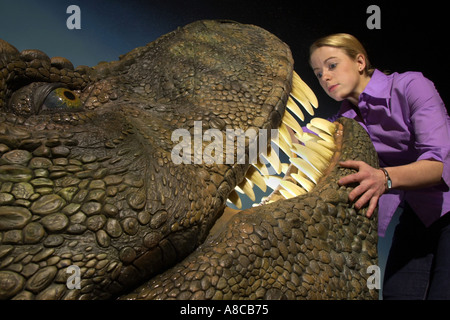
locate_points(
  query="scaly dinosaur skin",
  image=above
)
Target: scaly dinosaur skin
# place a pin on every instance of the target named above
(91, 182)
(311, 247)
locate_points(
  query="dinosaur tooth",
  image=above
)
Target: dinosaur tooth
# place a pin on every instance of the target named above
(301, 98)
(320, 149)
(292, 105)
(325, 136)
(234, 198)
(327, 144)
(290, 121)
(262, 168)
(307, 169)
(286, 194)
(314, 129)
(312, 157)
(283, 146)
(303, 181)
(322, 134)
(284, 167)
(324, 125)
(254, 176)
(274, 160)
(292, 188)
(299, 83)
(246, 187)
(303, 94)
(306, 136)
(284, 134)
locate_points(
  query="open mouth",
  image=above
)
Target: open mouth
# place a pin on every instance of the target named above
(307, 154)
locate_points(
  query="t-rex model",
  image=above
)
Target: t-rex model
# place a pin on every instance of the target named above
(88, 181)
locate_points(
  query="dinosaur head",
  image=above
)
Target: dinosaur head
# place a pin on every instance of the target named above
(117, 169)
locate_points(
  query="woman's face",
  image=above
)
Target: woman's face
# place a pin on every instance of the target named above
(339, 75)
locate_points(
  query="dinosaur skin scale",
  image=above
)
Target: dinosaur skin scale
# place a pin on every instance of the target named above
(91, 183)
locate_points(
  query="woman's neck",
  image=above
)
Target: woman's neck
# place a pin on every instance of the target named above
(354, 96)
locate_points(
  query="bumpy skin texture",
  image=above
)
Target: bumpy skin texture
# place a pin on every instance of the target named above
(93, 185)
(311, 247)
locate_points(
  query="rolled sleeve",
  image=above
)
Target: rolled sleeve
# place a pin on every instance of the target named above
(431, 123)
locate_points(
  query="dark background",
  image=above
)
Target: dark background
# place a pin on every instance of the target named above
(412, 35)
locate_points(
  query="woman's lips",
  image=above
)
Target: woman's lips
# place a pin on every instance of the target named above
(333, 87)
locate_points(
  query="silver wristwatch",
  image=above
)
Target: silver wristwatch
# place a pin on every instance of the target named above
(388, 179)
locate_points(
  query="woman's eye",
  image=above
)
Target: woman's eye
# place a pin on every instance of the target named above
(332, 66)
(61, 99)
(319, 75)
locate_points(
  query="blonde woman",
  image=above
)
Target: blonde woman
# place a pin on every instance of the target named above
(410, 129)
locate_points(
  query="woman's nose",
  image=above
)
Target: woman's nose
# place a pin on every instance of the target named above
(326, 76)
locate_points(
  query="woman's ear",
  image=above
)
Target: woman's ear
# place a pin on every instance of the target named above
(361, 61)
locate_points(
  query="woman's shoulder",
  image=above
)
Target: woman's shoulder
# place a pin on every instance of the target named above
(411, 83)
(417, 89)
(397, 79)
(408, 77)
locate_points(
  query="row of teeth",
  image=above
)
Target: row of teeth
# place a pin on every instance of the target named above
(309, 154)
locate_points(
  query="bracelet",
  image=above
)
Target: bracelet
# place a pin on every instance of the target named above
(388, 179)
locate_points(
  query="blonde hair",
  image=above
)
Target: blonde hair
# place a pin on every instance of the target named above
(351, 46)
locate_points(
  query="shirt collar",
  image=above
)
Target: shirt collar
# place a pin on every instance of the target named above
(379, 85)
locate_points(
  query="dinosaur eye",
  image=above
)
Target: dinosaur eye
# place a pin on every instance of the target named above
(40, 97)
(61, 99)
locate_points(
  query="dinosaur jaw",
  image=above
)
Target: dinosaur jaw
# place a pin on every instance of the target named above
(310, 155)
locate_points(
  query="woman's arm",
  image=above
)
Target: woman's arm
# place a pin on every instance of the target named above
(372, 182)
(416, 175)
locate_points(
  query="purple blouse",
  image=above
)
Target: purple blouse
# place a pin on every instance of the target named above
(407, 121)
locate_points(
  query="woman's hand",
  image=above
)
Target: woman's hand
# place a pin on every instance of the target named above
(372, 184)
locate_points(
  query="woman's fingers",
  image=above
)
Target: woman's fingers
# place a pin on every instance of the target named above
(372, 206)
(370, 184)
(352, 178)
